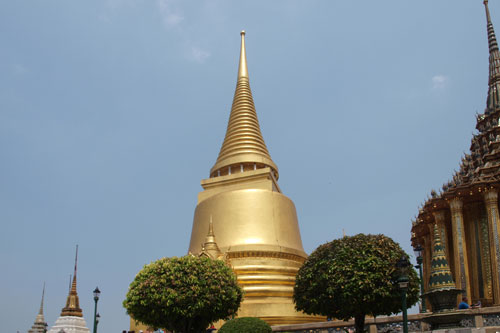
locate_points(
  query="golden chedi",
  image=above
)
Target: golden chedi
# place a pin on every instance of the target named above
(250, 223)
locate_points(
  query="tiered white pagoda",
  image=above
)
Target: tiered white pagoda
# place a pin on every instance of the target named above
(71, 319)
(40, 326)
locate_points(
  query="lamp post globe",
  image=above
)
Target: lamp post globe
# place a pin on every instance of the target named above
(97, 293)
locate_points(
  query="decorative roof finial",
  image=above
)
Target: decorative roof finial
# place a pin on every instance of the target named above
(243, 144)
(494, 79)
(211, 225)
(210, 248)
(492, 40)
(41, 304)
(243, 69)
(73, 286)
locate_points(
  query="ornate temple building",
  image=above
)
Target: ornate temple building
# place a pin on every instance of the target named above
(71, 319)
(40, 325)
(255, 225)
(465, 211)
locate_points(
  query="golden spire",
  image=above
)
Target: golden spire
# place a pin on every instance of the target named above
(40, 325)
(242, 68)
(210, 248)
(494, 77)
(72, 307)
(41, 304)
(243, 147)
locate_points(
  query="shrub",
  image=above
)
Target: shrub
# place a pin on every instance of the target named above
(246, 325)
(183, 294)
(353, 277)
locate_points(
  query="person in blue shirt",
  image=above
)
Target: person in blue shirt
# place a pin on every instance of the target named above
(463, 305)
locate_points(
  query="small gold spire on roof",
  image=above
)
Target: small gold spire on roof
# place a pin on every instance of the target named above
(210, 248)
(243, 144)
(40, 312)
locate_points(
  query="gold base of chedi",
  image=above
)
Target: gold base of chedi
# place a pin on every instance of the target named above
(258, 235)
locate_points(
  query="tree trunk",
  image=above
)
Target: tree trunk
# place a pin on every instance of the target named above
(359, 323)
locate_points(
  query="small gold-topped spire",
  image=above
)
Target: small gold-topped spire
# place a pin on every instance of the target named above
(488, 18)
(41, 303)
(40, 325)
(492, 40)
(72, 307)
(210, 248)
(243, 147)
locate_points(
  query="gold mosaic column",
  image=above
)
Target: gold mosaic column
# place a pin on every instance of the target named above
(461, 267)
(427, 244)
(491, 201)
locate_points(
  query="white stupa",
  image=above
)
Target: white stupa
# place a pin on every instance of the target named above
(40, 325)
(71, 319)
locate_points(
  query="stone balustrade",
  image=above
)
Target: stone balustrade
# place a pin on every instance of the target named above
(480, 320)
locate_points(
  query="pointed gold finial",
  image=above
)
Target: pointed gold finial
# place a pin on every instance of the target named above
(243, 147)
(243, 69)
(211, 227)
(488, 17)
(493, 80)
(43, 296)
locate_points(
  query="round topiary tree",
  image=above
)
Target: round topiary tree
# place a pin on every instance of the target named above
(353, 277)
(183, 294)
(245, 325)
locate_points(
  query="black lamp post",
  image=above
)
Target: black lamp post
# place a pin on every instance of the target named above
(97, 293)
(402, 266)
(418, 253)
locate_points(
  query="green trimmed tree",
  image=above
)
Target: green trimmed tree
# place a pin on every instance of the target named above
(353, 277)
(245, 325)
(183, 294)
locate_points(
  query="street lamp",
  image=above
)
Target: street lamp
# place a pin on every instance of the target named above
(418, 253)
(97, 293)
(402, 266)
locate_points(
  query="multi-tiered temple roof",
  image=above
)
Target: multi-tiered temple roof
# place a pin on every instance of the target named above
(465, 212)
(479, 169)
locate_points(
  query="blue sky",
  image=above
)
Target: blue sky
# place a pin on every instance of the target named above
(111, 112)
